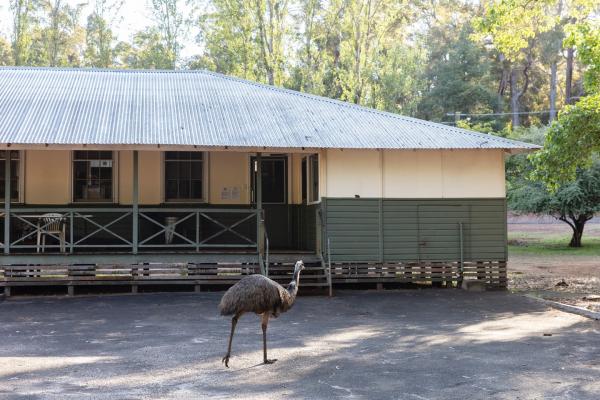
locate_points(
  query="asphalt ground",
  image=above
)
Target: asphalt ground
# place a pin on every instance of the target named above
(401, 344)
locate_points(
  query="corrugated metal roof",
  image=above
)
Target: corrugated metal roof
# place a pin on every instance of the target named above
(118, 107)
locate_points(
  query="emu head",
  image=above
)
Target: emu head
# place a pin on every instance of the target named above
(299, 266)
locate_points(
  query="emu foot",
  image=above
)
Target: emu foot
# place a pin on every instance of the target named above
(267, 361)
(225, 360)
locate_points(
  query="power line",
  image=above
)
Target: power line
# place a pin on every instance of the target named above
(503, 113)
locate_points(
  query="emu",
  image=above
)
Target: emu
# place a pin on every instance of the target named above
(262, 296)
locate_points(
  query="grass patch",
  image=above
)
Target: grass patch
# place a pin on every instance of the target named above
(536, 243)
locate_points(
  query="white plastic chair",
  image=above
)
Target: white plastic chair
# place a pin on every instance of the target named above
(54, 225)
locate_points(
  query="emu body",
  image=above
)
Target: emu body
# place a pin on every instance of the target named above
(260, 295)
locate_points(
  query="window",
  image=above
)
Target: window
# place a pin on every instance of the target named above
(313, 178)
(184, 176)
(93, 176)
(14, 174)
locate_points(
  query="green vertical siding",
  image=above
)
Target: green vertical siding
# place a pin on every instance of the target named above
(415, 229)
(291, 226)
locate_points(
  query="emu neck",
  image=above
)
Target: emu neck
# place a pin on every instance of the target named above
(293, 286)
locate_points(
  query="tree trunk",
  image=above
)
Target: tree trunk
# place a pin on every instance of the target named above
(553, 69)
(514, 97)
(503, 84)
(577, 227)
(569, 76)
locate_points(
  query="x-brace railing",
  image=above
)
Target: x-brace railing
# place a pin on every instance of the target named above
(33, 219)
(103, 228)
(229, 228)
(197, 242)
(164, 228)
(37, 227)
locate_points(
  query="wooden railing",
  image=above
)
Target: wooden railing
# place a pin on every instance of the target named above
(91, 229)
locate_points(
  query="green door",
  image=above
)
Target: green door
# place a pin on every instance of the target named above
(439, 231)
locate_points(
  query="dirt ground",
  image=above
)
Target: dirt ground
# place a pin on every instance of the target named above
(567, 276)
(535, 272)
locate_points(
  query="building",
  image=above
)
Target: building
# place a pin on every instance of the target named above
(135, 176)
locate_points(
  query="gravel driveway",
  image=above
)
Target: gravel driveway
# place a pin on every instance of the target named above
(409, 344)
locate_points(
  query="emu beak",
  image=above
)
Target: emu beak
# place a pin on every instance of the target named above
(301, 264)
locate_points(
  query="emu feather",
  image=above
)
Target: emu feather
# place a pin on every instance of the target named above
(260, 295)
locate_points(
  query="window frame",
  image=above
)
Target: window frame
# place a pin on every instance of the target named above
(20, 177)
(309, 179)
(114, 180)
(205, 175)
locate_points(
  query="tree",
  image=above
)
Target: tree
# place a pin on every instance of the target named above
(369, 27)
(574, 203)
(457, 72)
(574, 139)
(227, 33)
(170, 24)
(61, 38)
(99, 37)
(517, 27)
(23, 12)
(513, 26)
(147, 51)
(5, 52)
(271, 22)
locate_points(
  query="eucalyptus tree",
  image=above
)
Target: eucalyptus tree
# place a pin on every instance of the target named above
(247, 38)
(23, 22)
(60, 37)
(99, 35)
(171, 24)
(147, 50)
(516, 27)
(459, 72)
(573, 141)
(228, 35)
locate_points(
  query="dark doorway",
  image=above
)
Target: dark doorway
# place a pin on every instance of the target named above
(304, 182)
(274, 199)
(274, 179)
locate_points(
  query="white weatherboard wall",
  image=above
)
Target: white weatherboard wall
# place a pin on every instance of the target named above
(415, 173)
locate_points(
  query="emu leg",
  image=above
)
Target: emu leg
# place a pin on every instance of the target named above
(265, 322)
(234, 321)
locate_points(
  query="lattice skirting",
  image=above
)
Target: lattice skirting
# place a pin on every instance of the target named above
(492, 273)
(106, 274)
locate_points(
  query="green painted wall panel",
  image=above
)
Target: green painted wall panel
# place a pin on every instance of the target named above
(415, 229)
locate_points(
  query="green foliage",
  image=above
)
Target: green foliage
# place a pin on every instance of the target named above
(61, 37)
(574, 139)
(5, 52)
(148, 51)
(512, 24)
(578, 197)
(574, 202)
(169, 23)
(457, 73)
(585, 37)
(571, 142)
(23, 12)
(99, 38)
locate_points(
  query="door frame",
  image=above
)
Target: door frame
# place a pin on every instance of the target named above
(253, 173)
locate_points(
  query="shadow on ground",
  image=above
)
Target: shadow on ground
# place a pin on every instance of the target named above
(409, 344)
